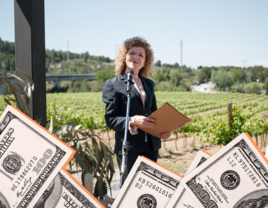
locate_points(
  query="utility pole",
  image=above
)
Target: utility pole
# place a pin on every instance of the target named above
(67, 50)
(6, 66)
(181, 54)
(48, 65)
(229, 110)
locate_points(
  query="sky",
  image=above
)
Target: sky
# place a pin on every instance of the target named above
(213, 33)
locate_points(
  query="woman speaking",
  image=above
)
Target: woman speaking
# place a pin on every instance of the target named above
(135, 54)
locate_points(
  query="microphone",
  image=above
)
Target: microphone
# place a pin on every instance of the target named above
(129, 80)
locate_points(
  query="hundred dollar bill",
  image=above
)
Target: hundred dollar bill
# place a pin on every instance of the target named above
(147, 185)
(236, 177)
(66, 192)
(181, 198)
(30, 158)
(199, 159)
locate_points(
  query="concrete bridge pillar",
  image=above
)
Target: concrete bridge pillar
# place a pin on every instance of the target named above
(57, 84)
(2, 89)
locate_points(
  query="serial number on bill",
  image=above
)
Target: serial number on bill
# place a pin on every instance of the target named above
(142, 182)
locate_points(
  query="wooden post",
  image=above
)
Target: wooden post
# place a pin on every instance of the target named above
(256, 140)
(184, 141)
(229, 109)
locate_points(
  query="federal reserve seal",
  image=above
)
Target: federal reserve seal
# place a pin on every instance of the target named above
(12, 164)
(146, 201)
(230, 180)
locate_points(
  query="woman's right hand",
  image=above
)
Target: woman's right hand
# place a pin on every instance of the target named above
(144, 122)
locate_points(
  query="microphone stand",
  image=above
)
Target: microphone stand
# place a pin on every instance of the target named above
(124, 146)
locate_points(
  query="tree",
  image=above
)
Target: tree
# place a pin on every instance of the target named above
(264, 75)
(176, 65)
(86, 56)
(103, 75)
(12, 64)
(222, 78)
(185, 69)
(238, 75)
(181, 88)
(256, 73)
(175, 77)
(159, 77)
(73, 69)
(165, 70)
(256, 89)
(214, 75)
(164, 86)
(79, 86)
(186, 84)
(204, 75)
(158, 63)
(265, 86)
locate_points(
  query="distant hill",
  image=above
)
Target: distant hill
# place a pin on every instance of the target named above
(56, 61)
(167, 77)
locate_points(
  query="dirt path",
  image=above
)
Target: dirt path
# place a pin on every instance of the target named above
(185, 151)
(176, 157)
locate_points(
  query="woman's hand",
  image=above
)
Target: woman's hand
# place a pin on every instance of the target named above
(144, 122)
(165, 135)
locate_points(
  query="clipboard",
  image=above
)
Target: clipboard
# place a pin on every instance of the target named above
(167, 119)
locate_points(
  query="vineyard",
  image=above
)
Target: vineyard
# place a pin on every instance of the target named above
(208, 112)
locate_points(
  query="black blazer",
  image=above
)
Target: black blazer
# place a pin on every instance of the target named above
(115, 97)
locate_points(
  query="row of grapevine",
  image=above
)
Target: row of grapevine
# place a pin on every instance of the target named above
(208, 112)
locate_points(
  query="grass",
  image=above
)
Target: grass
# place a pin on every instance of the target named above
(250, 84)
(234, 88)
(177, 168)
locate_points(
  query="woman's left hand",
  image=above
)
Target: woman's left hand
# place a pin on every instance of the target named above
(165, 135)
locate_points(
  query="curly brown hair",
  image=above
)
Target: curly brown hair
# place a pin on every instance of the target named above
(120, 60)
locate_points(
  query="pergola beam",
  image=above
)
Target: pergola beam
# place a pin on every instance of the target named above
(30, 51)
